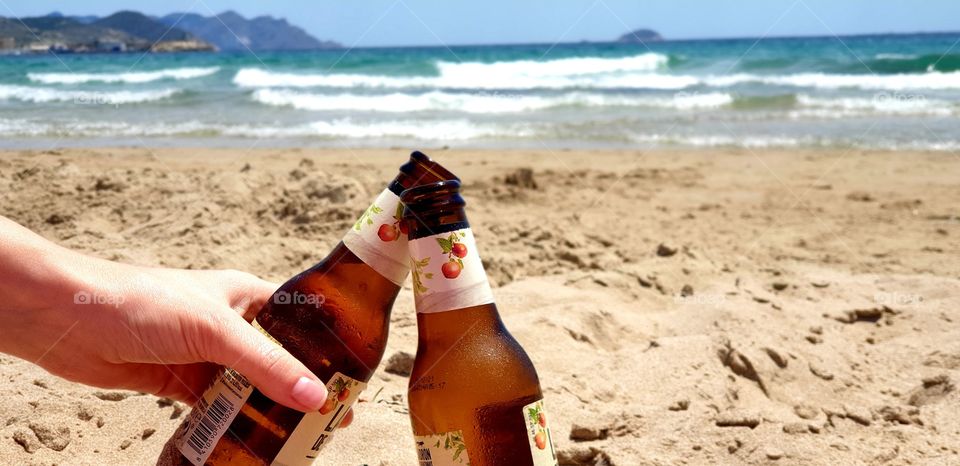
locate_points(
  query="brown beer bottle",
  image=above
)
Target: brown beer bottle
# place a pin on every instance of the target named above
(334, 318)
(474, 394)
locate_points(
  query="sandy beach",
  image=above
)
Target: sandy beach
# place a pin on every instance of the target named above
(721, 306)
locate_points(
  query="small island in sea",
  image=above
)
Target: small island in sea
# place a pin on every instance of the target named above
(640, 36)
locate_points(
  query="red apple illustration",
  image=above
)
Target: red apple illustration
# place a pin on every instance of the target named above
(329, 404)
(541, 439)
(543, 419)
(451, 269)
(388, 233)
(404, 228)
(343, 394)
(459, 250)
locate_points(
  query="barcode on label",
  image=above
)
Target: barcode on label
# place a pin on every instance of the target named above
(424, 456)
(210, 423)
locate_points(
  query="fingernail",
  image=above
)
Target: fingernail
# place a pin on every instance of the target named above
(309, 393)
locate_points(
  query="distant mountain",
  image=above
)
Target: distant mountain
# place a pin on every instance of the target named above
(84, 19)
(120, 32)
(134, 31)
(231, 31)
(640, 36)
(45, 32)
(140, 25)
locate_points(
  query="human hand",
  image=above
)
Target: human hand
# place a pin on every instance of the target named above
(155, 330)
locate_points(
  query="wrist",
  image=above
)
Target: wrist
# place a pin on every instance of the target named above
(36, 292)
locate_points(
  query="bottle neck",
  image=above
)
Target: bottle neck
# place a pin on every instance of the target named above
(448, 274)
(379, 238)
(446, 329)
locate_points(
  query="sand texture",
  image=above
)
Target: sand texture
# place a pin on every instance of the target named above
(681, 307)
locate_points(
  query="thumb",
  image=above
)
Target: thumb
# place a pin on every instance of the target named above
(270, 368)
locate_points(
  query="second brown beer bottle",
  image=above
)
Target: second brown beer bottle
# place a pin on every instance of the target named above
(334, 318)
(474, 395)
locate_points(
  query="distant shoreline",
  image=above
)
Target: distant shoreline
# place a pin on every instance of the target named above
(341, 49)
(665, 40)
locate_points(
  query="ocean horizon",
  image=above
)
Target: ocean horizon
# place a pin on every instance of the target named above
(896, 91)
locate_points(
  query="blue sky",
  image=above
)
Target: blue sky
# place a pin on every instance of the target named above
(436, 22)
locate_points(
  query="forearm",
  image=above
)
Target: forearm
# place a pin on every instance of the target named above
(38, 280)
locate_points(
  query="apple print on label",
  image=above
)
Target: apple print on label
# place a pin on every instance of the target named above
(392, 231)
(539, 435)
(538, 419)
(455, 251)
(337, 395)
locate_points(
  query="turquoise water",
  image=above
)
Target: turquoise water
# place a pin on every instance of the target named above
(870, 91)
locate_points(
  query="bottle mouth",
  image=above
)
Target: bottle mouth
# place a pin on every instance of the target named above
(427, 165)
(433, 208)
(437, 196)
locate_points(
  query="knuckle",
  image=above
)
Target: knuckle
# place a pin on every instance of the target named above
(274, 358)
(207, 336)
(237, 276)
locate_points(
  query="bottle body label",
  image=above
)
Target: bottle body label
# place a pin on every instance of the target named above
(447, 272)
(378, 238)
(214, 413)
(538, 434)
(221, 403)
(445, 449)
(314, 430)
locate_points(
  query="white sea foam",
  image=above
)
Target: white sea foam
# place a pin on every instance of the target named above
(891, 82)
(433, 130)
(894, 56)
(258, 78)
(884, 103)
(45, 95)
(480, 102)
(475, 76)
(423, 130)
(522, 74)
(773, 141)
(725, 140)
(128, 77)
(584, 66)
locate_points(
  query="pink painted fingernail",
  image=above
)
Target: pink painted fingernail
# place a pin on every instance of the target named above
(309, 393)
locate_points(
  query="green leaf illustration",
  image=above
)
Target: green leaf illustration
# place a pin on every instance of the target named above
(445, 244)
(416, 269)
(366, 217)
(533, 414)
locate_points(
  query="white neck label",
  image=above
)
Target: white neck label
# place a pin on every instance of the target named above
(447, 272)
(376, 238)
